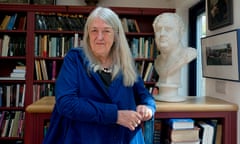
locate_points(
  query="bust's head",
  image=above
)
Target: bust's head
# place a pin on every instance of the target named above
(168, 30)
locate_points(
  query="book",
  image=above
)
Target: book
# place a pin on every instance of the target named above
(17, 75)
(1, 97)
(12, 22)
(218, 139)
(12, 78)
(157, 138)
(217, 136)
(191, 142)
(15, 124)
(5, 22)
(20, 67)
(22, 95)
(5, 45)
(206, 133)
(147, 73)
(183, 135)
(54, 71)
(17, 94)
(181, 123)
(149, 131)
(43, 69)
(21, 23)
(2, 116)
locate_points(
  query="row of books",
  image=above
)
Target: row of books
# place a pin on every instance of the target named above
(12, 46)
(130, 25)
(41, 90)
(187, 131)
(55, 46)
(12, 95)
(13, 21)
(45, 70)
(11, 123)
(60, 21)
(143, 47)
(147, 71)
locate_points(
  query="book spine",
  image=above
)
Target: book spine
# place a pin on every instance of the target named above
(149, 131)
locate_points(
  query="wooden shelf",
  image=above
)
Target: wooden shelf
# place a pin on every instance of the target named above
(193, 107)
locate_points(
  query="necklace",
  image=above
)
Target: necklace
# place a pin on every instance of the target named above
(107, 70)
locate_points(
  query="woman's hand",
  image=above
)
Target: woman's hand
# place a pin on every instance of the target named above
(145, 112)
(128, 118)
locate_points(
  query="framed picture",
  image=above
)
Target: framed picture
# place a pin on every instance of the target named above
(43, 2)
(220, 13)
(221, 56)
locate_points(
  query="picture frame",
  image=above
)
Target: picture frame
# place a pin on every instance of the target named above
(220, 13)
(221, 56)
(43, 2)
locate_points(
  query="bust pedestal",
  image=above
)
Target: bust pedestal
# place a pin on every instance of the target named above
(169, 93)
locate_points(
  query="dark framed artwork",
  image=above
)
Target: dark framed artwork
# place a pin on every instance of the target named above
(220, 13)
(221, 56)
(43, 2)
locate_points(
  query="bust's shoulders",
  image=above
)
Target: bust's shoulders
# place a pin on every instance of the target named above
(190, 49)
(190, 53)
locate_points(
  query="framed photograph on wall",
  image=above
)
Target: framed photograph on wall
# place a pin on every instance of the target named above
(221, 56)
(220, 13)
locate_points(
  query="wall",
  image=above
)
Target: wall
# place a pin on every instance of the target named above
(231, 88)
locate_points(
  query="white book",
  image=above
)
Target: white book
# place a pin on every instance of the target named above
(75, 40)
(147, 71)
(17, 75)
(17, 94)
(8, 98)
(207, 133)
(19, 70)
(53, 46)
(21, 103)
(62, 47)
(5, 127)
(12, 78)
(5, 45)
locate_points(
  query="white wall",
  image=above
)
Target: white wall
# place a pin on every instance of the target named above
(232, 88)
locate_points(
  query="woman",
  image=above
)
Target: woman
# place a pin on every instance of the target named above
(100, 99)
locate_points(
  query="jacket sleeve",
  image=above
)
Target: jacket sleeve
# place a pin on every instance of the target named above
(142, 95)
(72, 105)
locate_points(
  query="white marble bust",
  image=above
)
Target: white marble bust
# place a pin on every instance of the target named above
(169, 29)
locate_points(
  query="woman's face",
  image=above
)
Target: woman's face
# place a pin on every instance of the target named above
(101, 36)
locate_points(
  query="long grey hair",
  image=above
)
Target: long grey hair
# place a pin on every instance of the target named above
(120, 52)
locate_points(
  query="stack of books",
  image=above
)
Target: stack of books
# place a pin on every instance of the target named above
(18, 73)
(182, 131)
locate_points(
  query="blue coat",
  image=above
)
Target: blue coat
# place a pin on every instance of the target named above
(86, 110)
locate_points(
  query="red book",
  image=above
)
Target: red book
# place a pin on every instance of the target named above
(54, 65)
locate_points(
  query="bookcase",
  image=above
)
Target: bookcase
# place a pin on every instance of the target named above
(194, 107)
(27, 44)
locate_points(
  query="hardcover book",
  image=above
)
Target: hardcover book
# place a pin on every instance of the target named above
(181, 123)
(184, 135)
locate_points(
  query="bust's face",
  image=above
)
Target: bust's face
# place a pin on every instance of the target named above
(166, 34)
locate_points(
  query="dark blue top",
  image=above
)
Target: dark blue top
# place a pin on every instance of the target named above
(86, 110)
